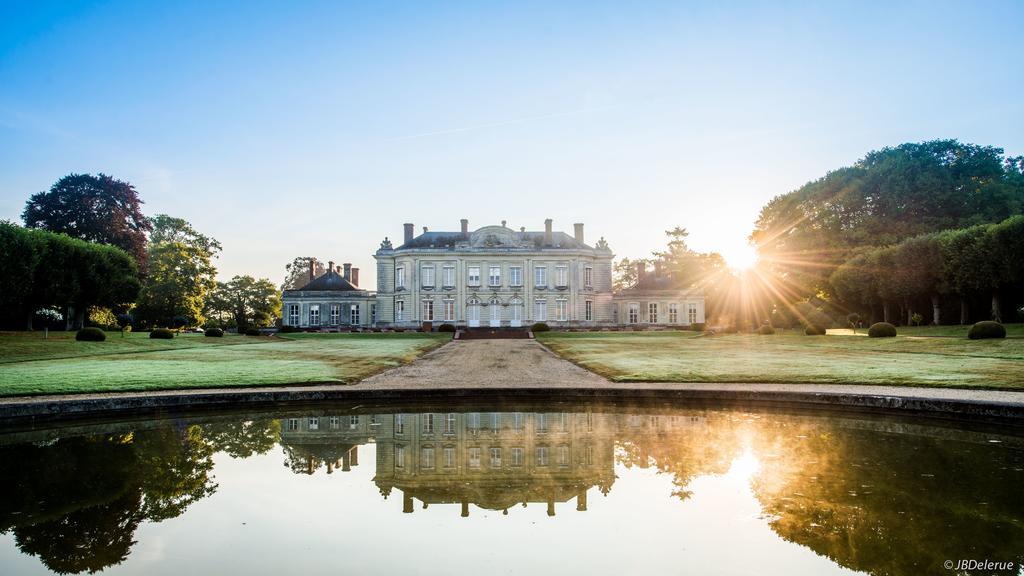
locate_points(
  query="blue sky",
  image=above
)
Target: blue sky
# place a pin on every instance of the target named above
(286, 129)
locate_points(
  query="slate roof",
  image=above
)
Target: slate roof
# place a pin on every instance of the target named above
(450, 239)
(329, 282)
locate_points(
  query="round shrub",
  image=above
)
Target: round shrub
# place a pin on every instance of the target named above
(986, 329)
(161, 334)
(540, 327)
(446, 328)
(766, 330)
(252, 332)
(813, 330)
(214, 332)
(91, 334)
(882, 330)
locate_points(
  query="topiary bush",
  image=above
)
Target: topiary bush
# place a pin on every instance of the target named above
(882, 330)
(289, 329)
(161, 334)
(91, 334)
(446, 328)
(252, 332)
(540, 327)
(766, 330)
(214, 332)
(986, 329)
(814, 330)
(697, 326)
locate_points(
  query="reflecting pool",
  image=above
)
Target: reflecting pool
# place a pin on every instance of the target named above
(511, 489)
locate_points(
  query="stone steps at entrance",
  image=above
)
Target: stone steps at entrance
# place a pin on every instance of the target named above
(484, 333)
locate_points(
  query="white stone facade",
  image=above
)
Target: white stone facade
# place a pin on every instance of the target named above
(495, 277)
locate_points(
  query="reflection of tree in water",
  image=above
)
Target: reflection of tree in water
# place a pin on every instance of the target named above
(243, 438)
(77, 501)
(890, 504)
(686, 452)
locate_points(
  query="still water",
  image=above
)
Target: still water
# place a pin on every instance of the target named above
(512, 489)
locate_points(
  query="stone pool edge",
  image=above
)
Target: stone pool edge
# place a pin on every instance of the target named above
(981, 404)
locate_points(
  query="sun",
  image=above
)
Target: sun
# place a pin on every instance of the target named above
(740, 258)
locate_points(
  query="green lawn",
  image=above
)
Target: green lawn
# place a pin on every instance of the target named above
(918, 357)
(58, 365)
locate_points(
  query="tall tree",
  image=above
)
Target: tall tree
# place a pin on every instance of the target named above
(93, 208)
(246, 302)
(181, 273)
(297, 272)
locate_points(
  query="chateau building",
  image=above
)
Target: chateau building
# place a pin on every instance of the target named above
(490, 277)
(494, 276)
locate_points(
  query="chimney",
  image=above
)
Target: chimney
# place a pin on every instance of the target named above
(425, 230)
(578, 232)
(503, 222)
(641, 271)
(408, 232)
(312, 269)
(348, 271)
(330, 265)
(547, 232)
(355, 277)
(338, 270)
(465, 226)
(657, 268)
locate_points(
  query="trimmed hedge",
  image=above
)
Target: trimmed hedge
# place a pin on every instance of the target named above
(813, 330)
(214, 333)
(252, 332)
(766, 330)
(161, 334)
(289, 329)
(882, 330)
(446, 328)
(697, 326)
(90, 334)
(986, 329)
(540, 327)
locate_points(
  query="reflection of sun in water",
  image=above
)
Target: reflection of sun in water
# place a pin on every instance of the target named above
(744, 467)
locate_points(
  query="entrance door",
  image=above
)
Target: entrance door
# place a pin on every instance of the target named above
(473, 313)
(495, 314)
(517, 314)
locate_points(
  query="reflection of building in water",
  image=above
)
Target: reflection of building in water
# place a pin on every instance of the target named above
(494, 460)
(310, 442)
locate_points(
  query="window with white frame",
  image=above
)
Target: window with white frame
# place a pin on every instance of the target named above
(428, 311)
(563, 421)
(335, 314)
(561, 276)
(314, 315)
(495, 420)
(563, 455)
(449, 276)
(541, 421)
(588, 310)
(588, 276)
(449, 310)
(428, 423)
(673, 312)
(449, 457)
(590, 455)
(494, 278)
(399, 310)
(473, 422)
(427, 457)
(353, 315)
(353, 422)
(400, 276)
(399, 456)
(691, 313)
(495, 457)
(335, 422)
(314, 423)
(473, 276)
(561, 306)
(292, 425)
(473, 457)
(293, 314)
(542, 455)
(515, 276)
(517, 421)
(373, 312)
(399, 423)
(634, 313)
(449, 423)
(516, 457)
(540, 276)
(540, 310)
(427, 276)
(652, 312)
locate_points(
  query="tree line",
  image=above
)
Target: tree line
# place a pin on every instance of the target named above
(88, 254)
